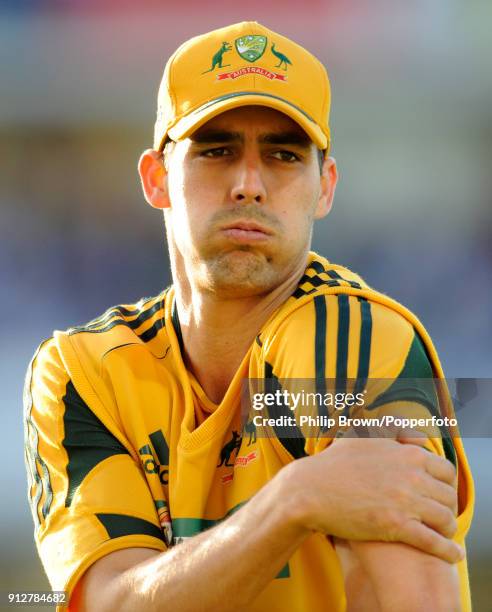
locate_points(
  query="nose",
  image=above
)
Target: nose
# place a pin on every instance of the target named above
(248, 185)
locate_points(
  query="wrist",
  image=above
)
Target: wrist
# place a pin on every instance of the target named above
(299, 511)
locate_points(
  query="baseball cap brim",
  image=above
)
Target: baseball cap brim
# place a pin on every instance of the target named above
(192, 121)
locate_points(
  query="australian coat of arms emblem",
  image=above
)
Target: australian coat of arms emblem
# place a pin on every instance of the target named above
(251, 47)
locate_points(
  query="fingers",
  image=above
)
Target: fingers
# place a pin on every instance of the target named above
(438, 517)
(436, 466)
(440, 468)
(426, 539)
(442, 493)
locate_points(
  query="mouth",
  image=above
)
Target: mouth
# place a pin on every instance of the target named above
(246, 231)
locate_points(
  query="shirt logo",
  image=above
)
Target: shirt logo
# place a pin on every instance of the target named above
(155, 456)
(228, 448)
(242, 461)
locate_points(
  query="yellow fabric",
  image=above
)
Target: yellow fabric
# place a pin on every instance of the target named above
(124, 449)
(242, 64)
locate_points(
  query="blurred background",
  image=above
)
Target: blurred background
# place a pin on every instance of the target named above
(412, 134)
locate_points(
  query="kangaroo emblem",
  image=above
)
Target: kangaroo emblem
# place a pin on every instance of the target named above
(229, 448)
(284, 60)
(217, 58)
(250, 428)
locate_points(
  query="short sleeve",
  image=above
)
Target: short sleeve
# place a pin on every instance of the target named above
(352, 344)
(87, 492)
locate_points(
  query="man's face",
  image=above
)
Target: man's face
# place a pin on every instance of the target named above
(243, 192)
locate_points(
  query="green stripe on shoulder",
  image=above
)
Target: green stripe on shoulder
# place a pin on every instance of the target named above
(132, 318)
(342, 342)
(364, 344)
(415, 383)
(321, 315)
(417, 364)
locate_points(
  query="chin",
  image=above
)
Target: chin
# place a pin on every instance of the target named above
(241, 274)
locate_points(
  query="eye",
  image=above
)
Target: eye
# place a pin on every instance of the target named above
(286, 156)
(216, 152)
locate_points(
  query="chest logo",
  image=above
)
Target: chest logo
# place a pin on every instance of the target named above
(243, 461)
(250, 428)
(228, 449)
(155, 456)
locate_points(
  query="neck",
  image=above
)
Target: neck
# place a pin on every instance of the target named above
(217, 332)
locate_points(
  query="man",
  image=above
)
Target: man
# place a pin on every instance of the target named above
(146, 492)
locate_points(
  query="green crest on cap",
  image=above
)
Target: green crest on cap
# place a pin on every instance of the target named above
(251, 47)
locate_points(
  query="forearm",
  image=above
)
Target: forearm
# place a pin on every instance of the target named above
(223, 568)
(359, 591)
(399, 577)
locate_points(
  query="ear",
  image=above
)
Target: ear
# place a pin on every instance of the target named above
(329, 178)
(153, 176)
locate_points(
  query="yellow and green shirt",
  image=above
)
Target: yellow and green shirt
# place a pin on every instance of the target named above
(124, 448)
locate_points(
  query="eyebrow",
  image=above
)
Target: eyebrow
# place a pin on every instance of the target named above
(300, 139)
(292, 137)
(214, 136)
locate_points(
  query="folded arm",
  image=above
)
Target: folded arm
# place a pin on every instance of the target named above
(333, 492)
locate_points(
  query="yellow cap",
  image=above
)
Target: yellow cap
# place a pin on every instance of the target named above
(242, 64)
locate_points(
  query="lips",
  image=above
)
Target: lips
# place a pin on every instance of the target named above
(244, 232)
(248, 226)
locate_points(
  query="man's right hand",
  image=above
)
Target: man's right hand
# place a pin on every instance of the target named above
(379, 489)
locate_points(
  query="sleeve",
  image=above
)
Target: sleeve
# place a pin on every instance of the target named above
(339, 344)
(87, 493)
(348, 344)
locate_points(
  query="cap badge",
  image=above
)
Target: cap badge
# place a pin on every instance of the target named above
(251, 47)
